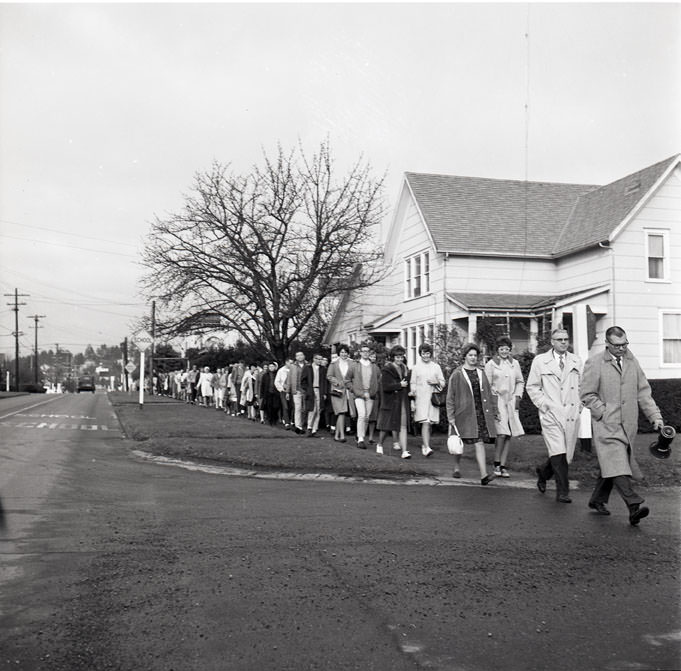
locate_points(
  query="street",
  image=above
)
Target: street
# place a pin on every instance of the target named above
(110, 562)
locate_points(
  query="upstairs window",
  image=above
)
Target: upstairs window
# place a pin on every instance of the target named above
(657, 254)
(417, 275)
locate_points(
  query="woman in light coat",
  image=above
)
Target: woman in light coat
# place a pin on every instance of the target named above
(339, 376)
(471, 409)
(506, 380)
(426, 377)
(206, 387)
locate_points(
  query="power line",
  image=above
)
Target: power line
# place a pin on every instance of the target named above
(61, 244)
(75, 235)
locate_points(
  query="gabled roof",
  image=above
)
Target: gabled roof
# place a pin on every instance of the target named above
(497, 217)
(598, 213)
(473, 215)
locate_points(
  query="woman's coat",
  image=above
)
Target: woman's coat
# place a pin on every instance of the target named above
(556, 395)
(393, 397)
(461, 406)
(425, 379)
(507, 385)
(337, 379)
(614, 397)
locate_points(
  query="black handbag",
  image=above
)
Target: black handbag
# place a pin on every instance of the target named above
(335, 391)
(439, 398)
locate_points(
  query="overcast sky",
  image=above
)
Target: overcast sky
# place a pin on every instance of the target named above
(107, 112)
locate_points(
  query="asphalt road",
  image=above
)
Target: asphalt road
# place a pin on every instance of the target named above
(109, 562)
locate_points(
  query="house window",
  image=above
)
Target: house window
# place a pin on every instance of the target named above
(671, 338)
(657, 254)
(417, 275)
(412, 346)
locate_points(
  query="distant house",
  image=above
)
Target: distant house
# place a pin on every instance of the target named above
(531, 254)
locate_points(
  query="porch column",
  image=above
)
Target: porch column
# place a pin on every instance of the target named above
(534, 335)
(472, 327)
(580, 343)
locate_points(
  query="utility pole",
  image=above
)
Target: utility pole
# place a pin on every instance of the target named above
(151, 353)
(35, 318)
(17, 333)
(125, 361)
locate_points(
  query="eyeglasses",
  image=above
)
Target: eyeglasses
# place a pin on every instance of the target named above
(621, 345)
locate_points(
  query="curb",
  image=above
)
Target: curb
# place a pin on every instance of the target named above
(426, 480)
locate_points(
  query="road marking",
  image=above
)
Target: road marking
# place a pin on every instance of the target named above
(49, 400)
(55, 425)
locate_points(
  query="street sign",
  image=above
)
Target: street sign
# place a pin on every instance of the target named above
(142, 339)
(130, 367)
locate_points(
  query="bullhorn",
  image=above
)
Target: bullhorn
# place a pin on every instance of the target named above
(662, 447)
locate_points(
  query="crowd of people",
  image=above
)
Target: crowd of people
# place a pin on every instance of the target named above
(382, 405)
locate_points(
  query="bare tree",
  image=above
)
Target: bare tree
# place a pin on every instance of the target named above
(262, 252)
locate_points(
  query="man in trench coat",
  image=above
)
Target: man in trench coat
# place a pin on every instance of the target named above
(553, 386)
(613, 387)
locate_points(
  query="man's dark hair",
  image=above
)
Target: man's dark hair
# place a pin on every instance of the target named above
(615, 331)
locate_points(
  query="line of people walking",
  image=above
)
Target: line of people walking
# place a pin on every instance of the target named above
(384, 404)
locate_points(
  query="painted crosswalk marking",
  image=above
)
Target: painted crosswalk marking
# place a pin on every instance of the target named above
(58, 426)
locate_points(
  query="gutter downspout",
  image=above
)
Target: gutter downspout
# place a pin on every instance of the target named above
(606, 245)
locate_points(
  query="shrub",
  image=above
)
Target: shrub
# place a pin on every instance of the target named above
(667, 395)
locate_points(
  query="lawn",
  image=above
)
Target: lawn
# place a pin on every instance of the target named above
(171, 428)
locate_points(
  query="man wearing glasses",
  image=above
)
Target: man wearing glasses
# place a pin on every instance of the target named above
(613, 387)
(553, 386)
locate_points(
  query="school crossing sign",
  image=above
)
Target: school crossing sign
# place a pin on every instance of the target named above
(142, 340)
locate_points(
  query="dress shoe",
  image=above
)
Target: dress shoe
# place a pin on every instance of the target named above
(541, 481)
(563, 498)
(599, 507)
(361, 445)
(636, 513)
(487, 479)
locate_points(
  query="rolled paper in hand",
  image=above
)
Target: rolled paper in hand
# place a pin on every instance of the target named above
(662, 447)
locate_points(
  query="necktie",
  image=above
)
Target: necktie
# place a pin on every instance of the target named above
(619, 362)
(561, 362)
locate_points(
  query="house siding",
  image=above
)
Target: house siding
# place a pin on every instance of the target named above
(500, 275)
(638, 302)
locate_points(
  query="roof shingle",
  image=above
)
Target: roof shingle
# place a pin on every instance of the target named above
(473, 215)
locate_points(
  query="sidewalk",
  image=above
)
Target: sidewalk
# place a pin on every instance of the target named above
(175, 430)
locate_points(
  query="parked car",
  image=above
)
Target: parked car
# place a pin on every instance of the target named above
(86, 383)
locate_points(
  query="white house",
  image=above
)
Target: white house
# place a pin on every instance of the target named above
(524, 253)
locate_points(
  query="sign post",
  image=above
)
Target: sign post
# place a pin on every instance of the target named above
(142, 340)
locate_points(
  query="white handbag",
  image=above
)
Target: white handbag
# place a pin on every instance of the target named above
(454, 442)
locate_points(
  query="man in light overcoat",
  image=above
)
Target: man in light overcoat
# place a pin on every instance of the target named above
(612, 388)
(553, 386)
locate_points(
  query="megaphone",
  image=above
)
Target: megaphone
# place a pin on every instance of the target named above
(662, 447)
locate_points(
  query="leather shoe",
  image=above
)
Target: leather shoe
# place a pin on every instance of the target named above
(637, 513)
(541, 482)
(563, 498)
(599, 507)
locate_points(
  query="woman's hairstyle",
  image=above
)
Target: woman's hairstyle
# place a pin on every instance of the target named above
(340, 348)
(467, 348)
(397, 350)
(425, 347)
(504, 341)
